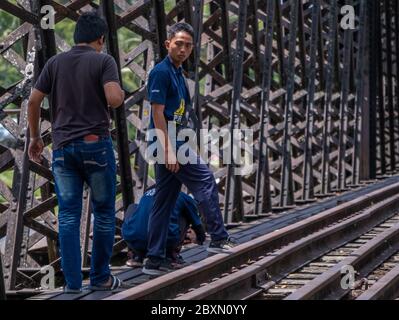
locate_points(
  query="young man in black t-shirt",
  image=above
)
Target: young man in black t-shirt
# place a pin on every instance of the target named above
(81, 84)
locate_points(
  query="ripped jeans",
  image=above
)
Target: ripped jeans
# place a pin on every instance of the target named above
(92, 163)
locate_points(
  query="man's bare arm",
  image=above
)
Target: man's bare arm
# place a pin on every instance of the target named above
(36, 144)
(160, 124)
(35, 101)
(114, 94)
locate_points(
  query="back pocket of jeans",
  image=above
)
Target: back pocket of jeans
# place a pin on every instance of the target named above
(96, 159)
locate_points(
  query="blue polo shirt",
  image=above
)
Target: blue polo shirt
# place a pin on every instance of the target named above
(166, 86)
(135, 226)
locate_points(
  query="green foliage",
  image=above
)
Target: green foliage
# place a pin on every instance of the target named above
(6, 177)
(8, 74)
(65, 29)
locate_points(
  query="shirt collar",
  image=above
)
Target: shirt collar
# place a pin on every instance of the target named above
(176, 70)
(83, 48)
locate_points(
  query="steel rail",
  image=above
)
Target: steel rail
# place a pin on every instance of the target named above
(387, 288)
(263, 274)
(171, 284)
(364, 259)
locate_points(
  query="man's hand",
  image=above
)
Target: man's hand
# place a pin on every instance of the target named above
(171, 161)
(191, 237)
(35, 150)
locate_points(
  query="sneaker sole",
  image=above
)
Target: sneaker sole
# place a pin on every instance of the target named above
(134, 265)
(153, 272)
(214, 250)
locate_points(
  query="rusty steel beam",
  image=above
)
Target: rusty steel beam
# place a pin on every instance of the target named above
(197, 25)
(127, 182)
(389, 83)
(396, 33)
(19, 12)
(308, 188)
(233, 207)
(17, 234)
(373, 92)
(287, 188)
(325, 165)
(2, 286)
(344, 109)
(159, 18)
(360, 93)
(381, 97)
(263, 202)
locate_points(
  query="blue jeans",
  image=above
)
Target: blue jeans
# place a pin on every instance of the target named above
(199, 180)
(72, 165)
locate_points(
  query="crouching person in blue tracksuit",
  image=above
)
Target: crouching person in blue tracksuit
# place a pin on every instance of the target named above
(135, 228)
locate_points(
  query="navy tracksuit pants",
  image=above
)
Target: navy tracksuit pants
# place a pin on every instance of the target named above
(199, 180)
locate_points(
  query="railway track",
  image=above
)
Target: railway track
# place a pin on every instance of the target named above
(343, 257)
(302, 261)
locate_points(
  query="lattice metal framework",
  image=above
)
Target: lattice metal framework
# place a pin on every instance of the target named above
(322, 102)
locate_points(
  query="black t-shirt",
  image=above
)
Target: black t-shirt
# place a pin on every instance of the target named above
(74, 81)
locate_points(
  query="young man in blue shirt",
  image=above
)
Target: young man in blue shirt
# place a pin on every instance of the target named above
(170, 99)
(135, 228)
